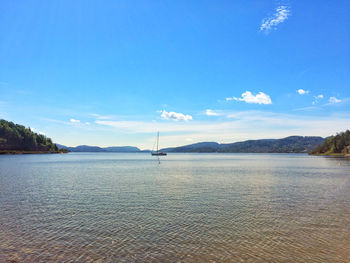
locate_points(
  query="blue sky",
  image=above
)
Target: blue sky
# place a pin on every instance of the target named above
(116, 72)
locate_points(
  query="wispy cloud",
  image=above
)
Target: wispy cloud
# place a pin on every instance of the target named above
(302, 92)
(317, 98)
(269, 23)
(74, 120)
(241, 120)
(175, 116)
(210, 112)
(333, 100)
(238, 126)
(101, 117)
(248, 97)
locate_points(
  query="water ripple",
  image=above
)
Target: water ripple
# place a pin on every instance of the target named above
(191, 208)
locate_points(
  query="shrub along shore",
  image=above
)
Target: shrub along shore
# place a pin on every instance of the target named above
(17, 139)
(338, 145)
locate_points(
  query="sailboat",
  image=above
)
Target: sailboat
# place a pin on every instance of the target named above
(158, 153)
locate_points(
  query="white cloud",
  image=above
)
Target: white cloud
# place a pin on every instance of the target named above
(74, 121)
(175, 116)
(333, 100)
(212, 113)
(282, 13)
(320, 96)
(87, 123)
(302, 92)
(248, 97)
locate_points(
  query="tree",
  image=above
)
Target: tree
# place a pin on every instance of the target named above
(17, 137)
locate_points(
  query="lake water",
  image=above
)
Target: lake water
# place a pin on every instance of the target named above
(114, 207)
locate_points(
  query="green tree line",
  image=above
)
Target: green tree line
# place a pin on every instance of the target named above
(19, 138)
(338, 144)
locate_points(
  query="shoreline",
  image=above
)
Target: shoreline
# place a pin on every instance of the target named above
(331, 154)
(27, 152)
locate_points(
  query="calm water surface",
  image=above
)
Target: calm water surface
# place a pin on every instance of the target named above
(86, 207)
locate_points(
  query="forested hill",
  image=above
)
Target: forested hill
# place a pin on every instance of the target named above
(17, 138)
(339, 144)
(292, 144)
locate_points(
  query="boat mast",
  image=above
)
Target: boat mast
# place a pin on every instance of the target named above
(157, 141)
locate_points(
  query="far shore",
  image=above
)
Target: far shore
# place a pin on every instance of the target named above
(48, 152)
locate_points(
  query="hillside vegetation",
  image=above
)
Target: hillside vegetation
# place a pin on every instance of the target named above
(292, 144)
(335, 145)
(17, 138)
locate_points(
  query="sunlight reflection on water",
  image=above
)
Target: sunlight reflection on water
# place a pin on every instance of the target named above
(87, 207)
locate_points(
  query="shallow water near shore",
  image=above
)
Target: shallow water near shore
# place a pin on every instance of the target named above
(118, 207)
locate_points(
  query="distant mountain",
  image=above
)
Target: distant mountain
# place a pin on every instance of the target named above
(335, 145)
(86, 148)
(122, 149)
(292, 144)
(197, 147)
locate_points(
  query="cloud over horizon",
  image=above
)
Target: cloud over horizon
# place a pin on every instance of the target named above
(237, 126)
(269, 23)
